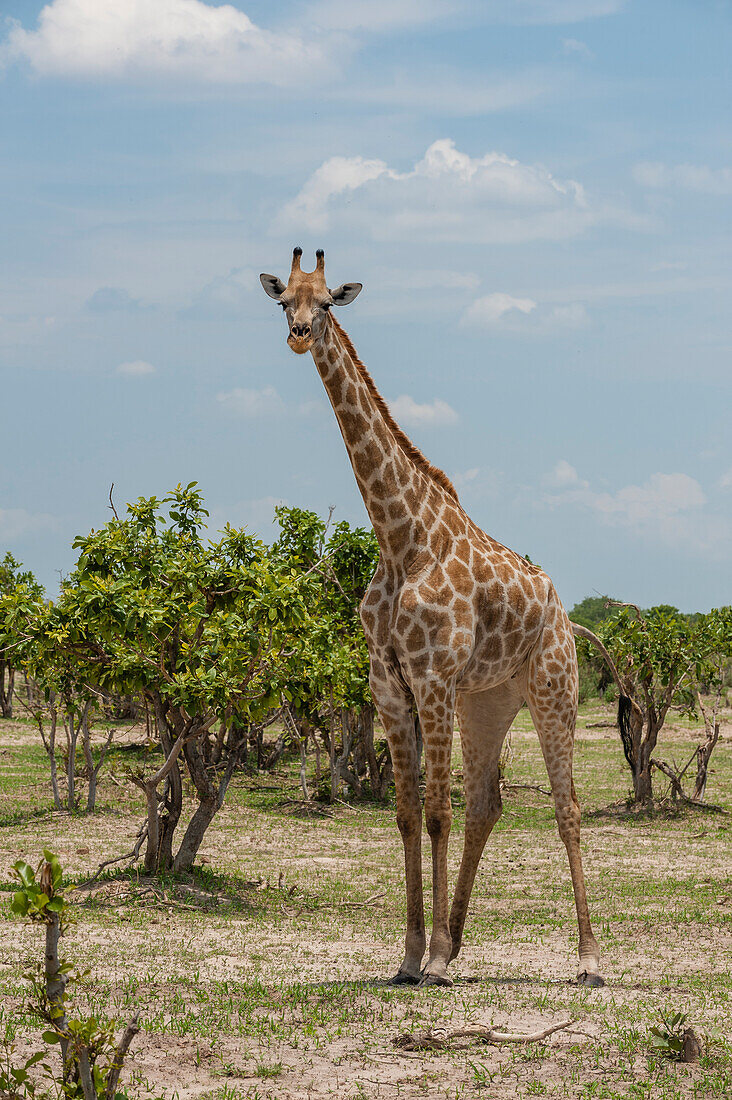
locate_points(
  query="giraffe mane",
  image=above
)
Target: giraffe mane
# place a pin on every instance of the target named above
(403, 440)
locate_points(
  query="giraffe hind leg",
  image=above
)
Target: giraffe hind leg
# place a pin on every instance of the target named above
(551, 693)
(484, 718)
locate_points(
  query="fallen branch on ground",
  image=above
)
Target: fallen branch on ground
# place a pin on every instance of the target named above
(363, 904)
(439, 1038)
(131, 856)
(525, 787)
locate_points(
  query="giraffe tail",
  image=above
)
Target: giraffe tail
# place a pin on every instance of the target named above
(625, 709)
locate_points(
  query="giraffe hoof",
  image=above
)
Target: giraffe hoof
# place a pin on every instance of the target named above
(403, 978)
(592, 981)
(435, 979)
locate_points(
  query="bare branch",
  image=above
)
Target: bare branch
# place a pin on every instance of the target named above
(439, 1038)
(111, 502)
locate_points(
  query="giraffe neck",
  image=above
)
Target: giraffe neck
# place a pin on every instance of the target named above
(401, 490)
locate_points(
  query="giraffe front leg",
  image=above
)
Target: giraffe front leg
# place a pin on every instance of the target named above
(395, 711)
(436, 709)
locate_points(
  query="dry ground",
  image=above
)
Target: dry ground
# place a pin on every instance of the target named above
(262, 974)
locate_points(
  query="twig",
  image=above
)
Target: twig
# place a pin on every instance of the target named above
(526, 787)
(363, 904)
(439, 1038)
(111, 505)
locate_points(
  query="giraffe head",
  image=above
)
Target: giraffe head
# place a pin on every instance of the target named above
(306, 300)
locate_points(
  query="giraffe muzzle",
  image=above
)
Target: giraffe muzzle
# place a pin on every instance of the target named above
(300, 338)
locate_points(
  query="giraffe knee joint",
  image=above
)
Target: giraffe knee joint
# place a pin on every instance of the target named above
(568, 819)
(438, 821)
(409, 824)
(484, 814)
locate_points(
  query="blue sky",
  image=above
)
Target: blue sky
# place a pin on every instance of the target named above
(534, 193)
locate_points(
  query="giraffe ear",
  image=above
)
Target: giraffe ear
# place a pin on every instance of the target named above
(272, 286)
(344, 294)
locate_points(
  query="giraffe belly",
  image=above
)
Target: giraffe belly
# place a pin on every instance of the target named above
(483, 672)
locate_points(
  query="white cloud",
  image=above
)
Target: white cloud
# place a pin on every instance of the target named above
(657, 499)
(136, 368)
(671, 509)
(219, 44)
(16, 522)
(725, 481)
(467, 476)
(335, 177)
(312, 408)
(225, 296)
(449, 194)
(572, 315)
(132, 39)
(406, 410)
(687, 177)
(564, 476)
(579, 49)
(487, 311)
(251, 403)
(479, 483)
(661, 496)
(112, 299)
(523, 315)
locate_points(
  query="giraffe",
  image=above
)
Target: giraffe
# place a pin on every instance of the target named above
(456, 625)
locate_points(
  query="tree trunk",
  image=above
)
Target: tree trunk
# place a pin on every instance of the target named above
(642, 774)
(91, 802)
(50, 747)
(55, 981)
(163, 814)
(91, 797)
(348, 735)
(202, 818)
(6, 694)
(332, 755)
(71, 735)
(210, 795)
(644, 744)
(702, 763)
(642, 786)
